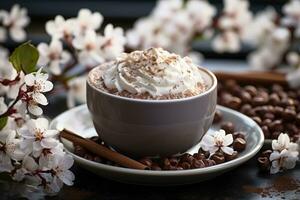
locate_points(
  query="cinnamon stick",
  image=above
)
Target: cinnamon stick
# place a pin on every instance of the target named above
(251, 77)
(102, 151)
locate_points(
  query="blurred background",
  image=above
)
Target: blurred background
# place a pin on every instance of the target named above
(120, 13)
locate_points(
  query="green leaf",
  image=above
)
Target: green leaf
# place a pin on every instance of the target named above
(3, 122)
(24, 58)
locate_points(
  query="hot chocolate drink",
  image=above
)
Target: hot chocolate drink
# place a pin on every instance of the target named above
(150, 74)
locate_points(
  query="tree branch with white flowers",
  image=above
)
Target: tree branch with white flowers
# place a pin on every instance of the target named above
(29, 150)
(76, 44)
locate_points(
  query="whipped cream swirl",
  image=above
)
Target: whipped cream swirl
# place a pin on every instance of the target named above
(154, 71)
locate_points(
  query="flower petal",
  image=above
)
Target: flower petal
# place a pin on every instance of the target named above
(49, 143)
(67, 177)
(29, 79)
(227, 150)
(228, 139)
(40, 98)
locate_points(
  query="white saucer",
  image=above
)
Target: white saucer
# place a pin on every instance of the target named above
(78, 120)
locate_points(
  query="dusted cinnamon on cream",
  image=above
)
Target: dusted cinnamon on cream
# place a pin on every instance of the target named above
(154, 71)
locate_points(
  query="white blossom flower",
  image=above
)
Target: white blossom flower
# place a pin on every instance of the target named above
(15, 20)
(77, 91)
(236, 15)
(196, 57)
(38, 84)
(86, 20)
(61, 173)
(283, 142)
(282, 160)
(37, 136)
(112, 43)
(292, 14)
(227, 42)
(3, 33)
(178, 30)
(147, 32)
(61, 28)
(293, 59)
(9, 73)
(9, 146)
(165, 10)
(89, 48)
(47, 155)
(271, 52)
(3, 106)
(261, 27)
(217, 140)
(53, 56)
(28, 166)
(201, 13)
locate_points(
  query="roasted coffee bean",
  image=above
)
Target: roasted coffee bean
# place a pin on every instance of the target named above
(266, 122)
(197, 164)
(232, 156)
(187, 158)
(146, 161)
(264, 164)
(199, 156)
(201, 151)
(185, 165)
(88, 156)
(234, 103)
(228, 127)
(277, 88)
(274, 99)
(155, 167)
(247, 110)
(276, 126)
(266, 131)
(261, 110)
(209, 162)
(289, 115)
(80, 151)
(245, 97)
(98, 159)
(266, 153)
(287, 102)
(239, 135)
(257, 120)
(173, 161)
(218, 158)
(239, 144)
(278, 111)
(166, 162)
(269, 116)
(259, 101)
(251, 90)
(218, 116)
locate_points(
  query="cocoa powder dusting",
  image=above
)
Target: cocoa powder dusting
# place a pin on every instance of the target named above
(277, 189)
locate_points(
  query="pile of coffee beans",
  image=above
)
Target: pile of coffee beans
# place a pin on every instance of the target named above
(186, 161)
(276, 108)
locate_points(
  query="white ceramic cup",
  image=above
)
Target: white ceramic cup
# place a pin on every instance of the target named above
(138, 127)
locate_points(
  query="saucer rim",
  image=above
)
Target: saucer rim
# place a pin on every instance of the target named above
(207, 170)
